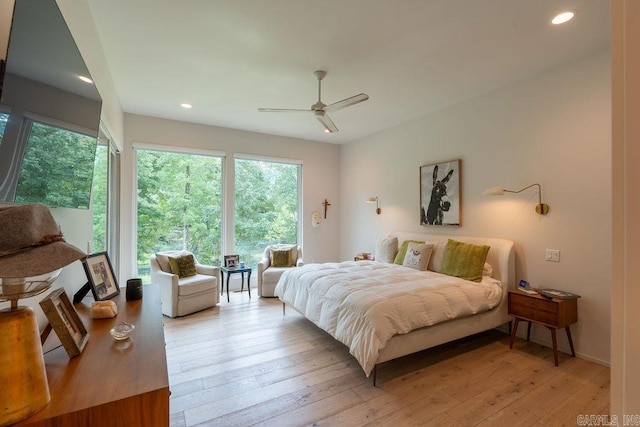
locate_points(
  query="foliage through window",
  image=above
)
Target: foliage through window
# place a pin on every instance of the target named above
(266, 206)
(99, 196)
(57, 167)
(179, 205)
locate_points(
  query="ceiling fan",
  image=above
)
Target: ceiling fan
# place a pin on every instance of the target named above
(319, 109)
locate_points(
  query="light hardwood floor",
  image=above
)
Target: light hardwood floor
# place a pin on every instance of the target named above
(243, 363)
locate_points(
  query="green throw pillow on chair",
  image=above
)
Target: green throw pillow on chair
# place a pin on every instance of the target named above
(183, 265)
(281, 257)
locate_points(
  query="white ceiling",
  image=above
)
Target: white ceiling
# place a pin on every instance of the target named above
(412, 57)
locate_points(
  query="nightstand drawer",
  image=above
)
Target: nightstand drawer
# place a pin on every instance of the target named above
(533, 303)
(532, 313)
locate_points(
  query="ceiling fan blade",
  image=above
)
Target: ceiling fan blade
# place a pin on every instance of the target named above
(326, 121)
(282, 110)
(347, 102)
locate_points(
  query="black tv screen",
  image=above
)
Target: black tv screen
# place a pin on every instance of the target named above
(49, 117)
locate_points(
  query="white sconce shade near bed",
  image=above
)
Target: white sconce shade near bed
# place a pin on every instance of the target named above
(374, 200)
(541, 208)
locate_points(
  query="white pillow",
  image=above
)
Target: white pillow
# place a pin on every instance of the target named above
(487, 270)
(386, 249)
(418, 255)
(437, 255)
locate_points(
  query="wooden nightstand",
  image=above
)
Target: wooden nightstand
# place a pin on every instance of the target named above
(553, 313)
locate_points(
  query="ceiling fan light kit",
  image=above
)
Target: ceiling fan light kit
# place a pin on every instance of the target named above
(319, 109)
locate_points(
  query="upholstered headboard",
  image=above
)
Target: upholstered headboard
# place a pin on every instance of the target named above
(501, 253)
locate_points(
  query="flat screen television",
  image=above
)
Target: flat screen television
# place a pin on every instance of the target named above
(49, 111)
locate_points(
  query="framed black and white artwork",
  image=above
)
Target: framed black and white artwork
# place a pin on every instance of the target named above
(440, 193)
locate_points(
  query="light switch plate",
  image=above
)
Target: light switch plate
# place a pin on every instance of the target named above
(552, 255)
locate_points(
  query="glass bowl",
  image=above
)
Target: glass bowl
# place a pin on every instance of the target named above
(122, 331)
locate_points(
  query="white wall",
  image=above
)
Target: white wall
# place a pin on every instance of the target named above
(553, 129)
(77, 15)
(320, 174)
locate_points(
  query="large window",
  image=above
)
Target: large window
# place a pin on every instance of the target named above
(266, 206)
(179, 205)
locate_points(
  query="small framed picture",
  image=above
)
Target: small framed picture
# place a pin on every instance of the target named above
(523, 285)
(100, 275)
(65, 321)
(231, 261)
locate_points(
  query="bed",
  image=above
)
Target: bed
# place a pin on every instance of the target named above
(383, 311)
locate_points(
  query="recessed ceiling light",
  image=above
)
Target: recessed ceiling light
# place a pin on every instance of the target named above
(186, 105)
(563, 17)
(85, 79)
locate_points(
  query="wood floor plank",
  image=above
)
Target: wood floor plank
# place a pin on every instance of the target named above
(426, 411)
(308, 414)
(243, 363)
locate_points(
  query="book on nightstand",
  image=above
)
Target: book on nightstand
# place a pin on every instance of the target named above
(555, 293)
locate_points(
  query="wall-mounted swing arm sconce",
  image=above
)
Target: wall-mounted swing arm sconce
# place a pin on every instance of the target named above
(374, 200)
(541, 208)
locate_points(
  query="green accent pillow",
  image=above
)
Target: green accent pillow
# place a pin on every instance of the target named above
(464, 260)
(402, 252)
(281, 257)
(183, 265)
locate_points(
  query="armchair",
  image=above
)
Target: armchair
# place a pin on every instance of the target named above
(184, 295)
(268, 274)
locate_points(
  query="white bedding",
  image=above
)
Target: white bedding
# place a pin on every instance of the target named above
(363, 304)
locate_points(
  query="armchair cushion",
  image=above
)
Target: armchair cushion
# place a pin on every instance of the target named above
(194, 284)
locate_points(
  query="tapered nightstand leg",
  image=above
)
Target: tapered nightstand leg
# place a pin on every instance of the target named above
(573, 352)
(529, 331)
(555, 345)
(514, 331)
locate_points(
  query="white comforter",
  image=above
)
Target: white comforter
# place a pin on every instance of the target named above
(363, 304)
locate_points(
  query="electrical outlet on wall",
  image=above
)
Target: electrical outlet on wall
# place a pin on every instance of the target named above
(552, 255)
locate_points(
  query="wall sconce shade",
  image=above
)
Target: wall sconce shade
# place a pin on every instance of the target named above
(541, 208)
(374, 200)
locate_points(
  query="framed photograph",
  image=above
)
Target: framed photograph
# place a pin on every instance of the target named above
(65, 321)
(440, 193)
(231, 261)
(100, 275)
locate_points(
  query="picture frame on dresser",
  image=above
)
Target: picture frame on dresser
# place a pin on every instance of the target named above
(440, 193)
(64, 320)
(100, 276)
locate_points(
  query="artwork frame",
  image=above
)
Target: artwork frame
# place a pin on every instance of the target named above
(102, 280)
(231, 261)
(440, 197)
(65, 321)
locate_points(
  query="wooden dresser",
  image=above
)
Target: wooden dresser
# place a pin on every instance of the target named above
(112, 383)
